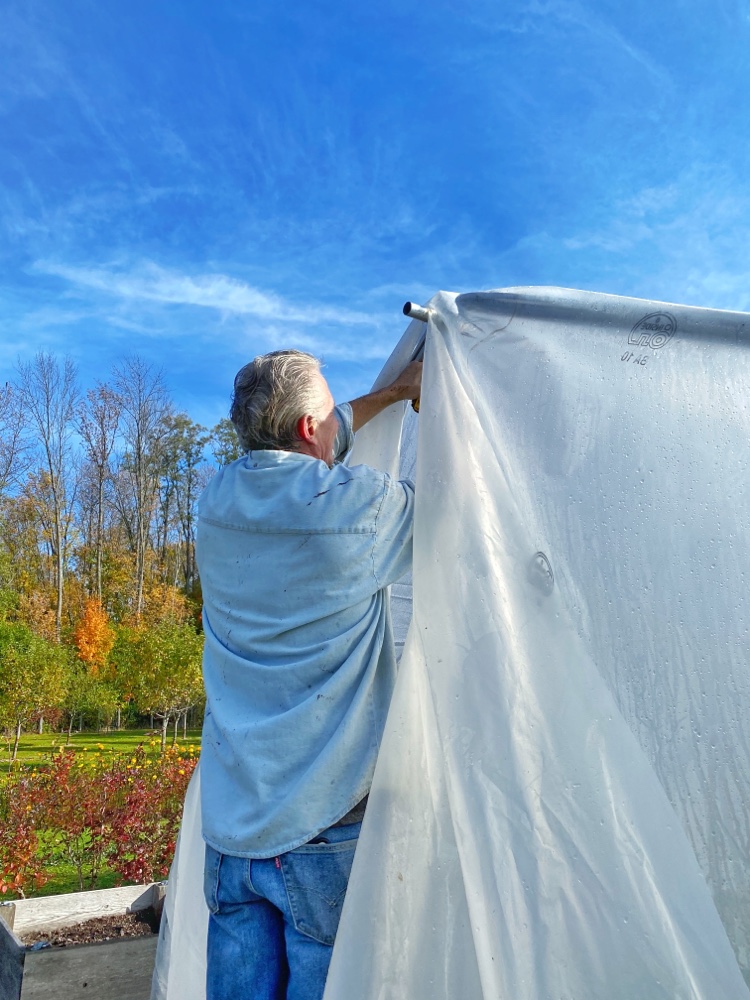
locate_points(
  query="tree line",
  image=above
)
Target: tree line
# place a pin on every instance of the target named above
(99, 592)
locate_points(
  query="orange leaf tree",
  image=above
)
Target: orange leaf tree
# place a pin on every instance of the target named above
(94, 636)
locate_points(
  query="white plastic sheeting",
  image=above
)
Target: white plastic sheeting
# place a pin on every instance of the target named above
(180, 967)
(559, 810)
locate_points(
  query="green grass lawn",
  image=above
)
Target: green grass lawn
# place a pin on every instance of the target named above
(34, 749)
(63, 878)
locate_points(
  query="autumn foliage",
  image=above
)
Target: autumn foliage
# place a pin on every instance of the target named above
(94, 636)
(98, 511)
(94, 811)
(99, 612)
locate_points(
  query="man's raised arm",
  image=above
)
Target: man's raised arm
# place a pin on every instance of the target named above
(406, 386)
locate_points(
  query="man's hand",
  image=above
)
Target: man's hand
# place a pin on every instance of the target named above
(407, 385)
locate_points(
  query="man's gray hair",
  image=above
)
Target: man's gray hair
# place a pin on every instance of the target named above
(270, 396)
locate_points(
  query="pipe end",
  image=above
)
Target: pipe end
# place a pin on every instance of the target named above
(414, 311)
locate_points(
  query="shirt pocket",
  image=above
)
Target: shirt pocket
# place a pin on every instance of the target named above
(316, 877)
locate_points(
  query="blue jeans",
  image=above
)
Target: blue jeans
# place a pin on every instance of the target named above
(272, 922)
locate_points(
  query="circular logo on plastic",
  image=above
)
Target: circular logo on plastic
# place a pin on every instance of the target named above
(654, 330)
(540, 573)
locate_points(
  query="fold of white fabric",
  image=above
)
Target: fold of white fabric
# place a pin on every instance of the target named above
(565, 765)
(180, 969)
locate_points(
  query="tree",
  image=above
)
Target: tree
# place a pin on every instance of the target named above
(33, 677)
(185, 473)
(89, 695)
(94, 636)
(25, 567)
(164, 603)
(161, 669)
(94, 639)
(225, 445)
(48, 395)
(98, 422)
(8, 604)
(34, 510)
(145, 406)
(35, 611)
(13, 443)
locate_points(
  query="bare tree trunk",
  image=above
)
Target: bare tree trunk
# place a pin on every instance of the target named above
(70, 729)
(40, 725)
(164, 725)
(184, 725)
(98, 423)
(59, 573)
(13, 445)
(141, 571)
(49, 394)
(16, 741)
(145, 406)
(99, 534)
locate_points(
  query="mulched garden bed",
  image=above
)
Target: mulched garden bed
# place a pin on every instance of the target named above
(142, 923)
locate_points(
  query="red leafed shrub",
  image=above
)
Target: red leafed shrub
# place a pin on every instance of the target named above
(144, 837)
(96, 811)
(21, 869)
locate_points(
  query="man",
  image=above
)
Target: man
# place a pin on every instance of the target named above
(294, 552)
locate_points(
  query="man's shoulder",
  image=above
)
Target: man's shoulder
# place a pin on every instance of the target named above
(340, 498)
(264, 473)
(279, 494)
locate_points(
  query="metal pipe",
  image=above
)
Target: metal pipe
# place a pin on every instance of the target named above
(418, 355)
(416, 312)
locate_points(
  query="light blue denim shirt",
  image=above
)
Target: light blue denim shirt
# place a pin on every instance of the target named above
(299, 663)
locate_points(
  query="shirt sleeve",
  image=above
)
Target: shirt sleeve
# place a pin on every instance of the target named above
(345, 437)
(394, 532)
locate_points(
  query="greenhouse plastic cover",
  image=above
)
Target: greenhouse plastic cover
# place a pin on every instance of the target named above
(559, 810)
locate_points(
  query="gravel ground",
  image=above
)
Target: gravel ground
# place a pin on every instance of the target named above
(125, 925)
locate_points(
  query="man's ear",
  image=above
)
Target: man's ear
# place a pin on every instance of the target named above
(306, 428)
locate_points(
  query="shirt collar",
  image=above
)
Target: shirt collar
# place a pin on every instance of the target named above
(264, 458)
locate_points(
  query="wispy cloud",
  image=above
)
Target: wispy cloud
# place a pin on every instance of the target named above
(621, 237)
(684, 241)
(351, 348)
(219, 292)
(553, 18)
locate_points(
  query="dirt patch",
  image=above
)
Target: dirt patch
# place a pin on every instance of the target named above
(123, 925)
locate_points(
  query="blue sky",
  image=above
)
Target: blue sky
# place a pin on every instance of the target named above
(200, 182)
